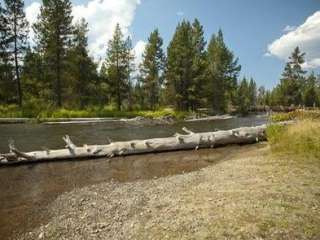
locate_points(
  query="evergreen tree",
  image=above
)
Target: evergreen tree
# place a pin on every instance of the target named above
(261, 96)
(33, 81)
(18, 31)
(118, 66)
(292, 81)
(198, 78)
(179, 66)
(243, 97)
(53, 32)
(310, 93)
(252, 93)
(151, 70)
(82, 69)
(223, 70)
(6, 68)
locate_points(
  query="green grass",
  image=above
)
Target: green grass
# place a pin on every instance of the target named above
(300, 140)
(43, 114)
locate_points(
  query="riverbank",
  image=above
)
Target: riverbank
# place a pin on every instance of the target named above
(251, 195)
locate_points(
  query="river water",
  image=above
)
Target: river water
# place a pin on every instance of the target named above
(26, 190)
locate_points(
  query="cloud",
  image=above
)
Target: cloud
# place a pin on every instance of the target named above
(180, 13)
(102, 17)
(306, 36)
(32, 12)
(138, 51)
(289, 28)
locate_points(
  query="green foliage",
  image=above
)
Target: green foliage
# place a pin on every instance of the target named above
(81, 87)
(151, 71)
(295, 88)
(118, 66)
(301, 139)
(179, 64)
(16, 36)
(53, 31)
(223, 71)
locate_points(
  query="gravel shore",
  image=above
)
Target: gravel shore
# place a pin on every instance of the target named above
(252, 196)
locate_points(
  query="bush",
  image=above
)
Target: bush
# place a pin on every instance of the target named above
(300, 139)
(10, 111)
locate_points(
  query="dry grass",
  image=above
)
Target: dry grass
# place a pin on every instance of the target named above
(301, 139)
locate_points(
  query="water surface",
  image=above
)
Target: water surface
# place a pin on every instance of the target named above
(26, 190)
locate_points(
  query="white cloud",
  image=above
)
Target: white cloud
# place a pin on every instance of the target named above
(32, 12)
(138, 51)
(180, 13)
(289, 28)
(306, 36)
(102, 17)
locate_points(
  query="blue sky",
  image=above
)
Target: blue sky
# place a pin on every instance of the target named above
(249, 27)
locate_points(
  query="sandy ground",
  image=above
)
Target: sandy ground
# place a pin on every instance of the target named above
(254, 195)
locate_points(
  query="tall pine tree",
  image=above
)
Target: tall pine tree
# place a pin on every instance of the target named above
(53, 32)
(292, 81)
(179, 66)
(223, 70)
(6, 71)
(151, 70)
(118, 65)
(18, 31)
(82, 69)
(199, 64)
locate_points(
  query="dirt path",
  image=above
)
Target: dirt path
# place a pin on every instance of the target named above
(249, 196)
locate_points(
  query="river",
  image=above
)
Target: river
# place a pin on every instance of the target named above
(26, 190)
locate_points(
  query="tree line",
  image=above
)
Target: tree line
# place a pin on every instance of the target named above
(191, 73)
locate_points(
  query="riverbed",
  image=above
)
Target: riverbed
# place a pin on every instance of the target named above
(25, 191)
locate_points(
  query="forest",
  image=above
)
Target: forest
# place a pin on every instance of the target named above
(56, 71)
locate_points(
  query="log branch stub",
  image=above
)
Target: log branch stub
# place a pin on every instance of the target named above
(69, 144)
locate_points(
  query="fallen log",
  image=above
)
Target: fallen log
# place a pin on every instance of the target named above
(189, 140)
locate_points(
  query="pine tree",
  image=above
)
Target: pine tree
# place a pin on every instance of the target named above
(130, 67)
(223, 71)
(6, 68)
(310, 94)
(82, 69)
(3, 32)
(53, 32)
(18, 32)
(151, 70)
(34, 84)
(292, 81)
(252, 93)
(243, 96)
(198, 66)
(179, 66)
(118, 66)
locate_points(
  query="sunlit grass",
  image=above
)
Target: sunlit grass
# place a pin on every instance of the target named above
(44, 114)
(301, 139)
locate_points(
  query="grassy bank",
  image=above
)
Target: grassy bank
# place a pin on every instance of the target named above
(296, 115)
(13, 111)
(300, 140)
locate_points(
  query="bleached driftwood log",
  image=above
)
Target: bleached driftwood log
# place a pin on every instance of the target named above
(190, 140)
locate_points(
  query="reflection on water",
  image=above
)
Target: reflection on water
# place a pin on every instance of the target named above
(26, 190)
(29, 137)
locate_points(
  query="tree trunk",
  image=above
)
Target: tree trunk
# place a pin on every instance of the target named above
(190, 140)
